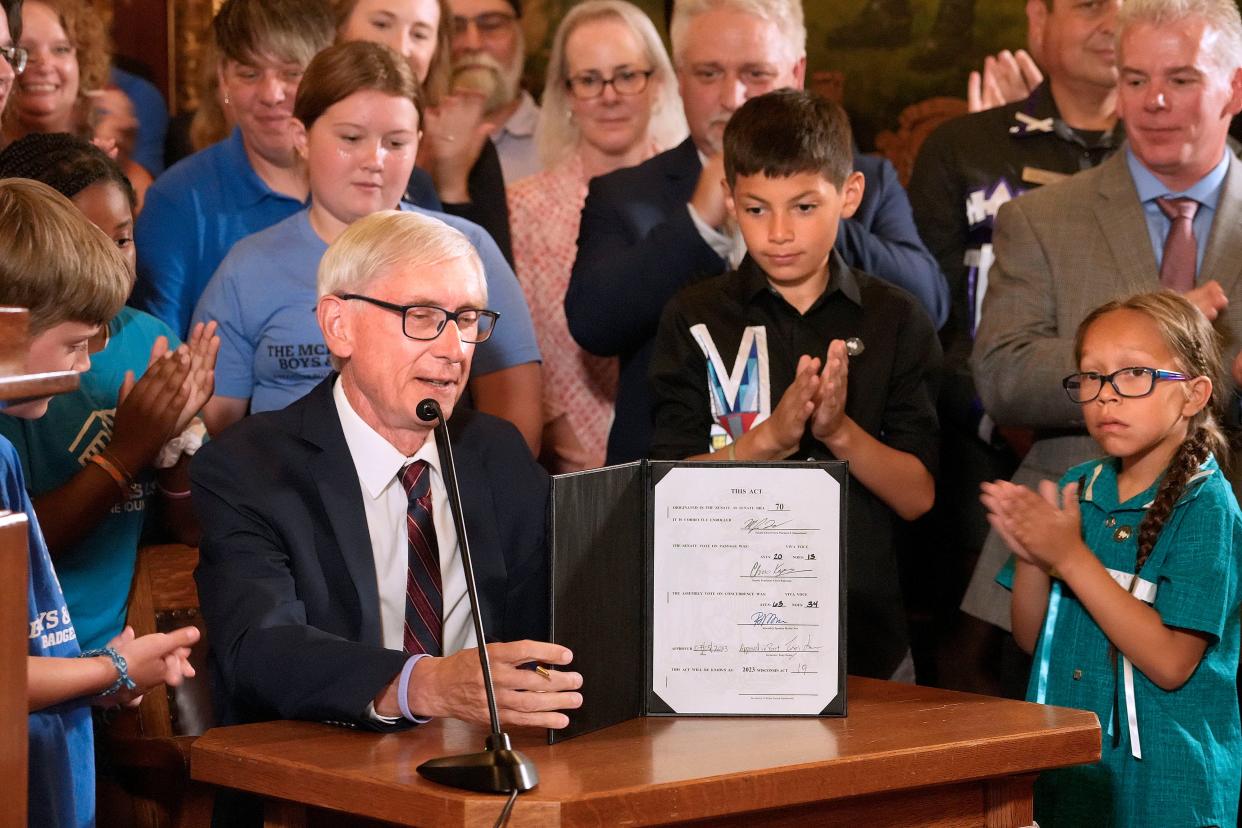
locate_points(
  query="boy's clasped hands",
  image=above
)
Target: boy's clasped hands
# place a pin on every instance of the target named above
(816, 396)
(1044, 529)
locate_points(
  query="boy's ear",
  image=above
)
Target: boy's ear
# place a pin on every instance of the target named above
(730, 205)
(852, 193)
(299, 137)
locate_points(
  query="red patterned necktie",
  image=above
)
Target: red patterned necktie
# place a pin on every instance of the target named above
(1178, 264)
(424, 602)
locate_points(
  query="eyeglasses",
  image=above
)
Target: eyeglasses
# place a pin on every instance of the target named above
(625, 82)
(425, 322)
(489, 24)
(1127, 382)
(16, 56)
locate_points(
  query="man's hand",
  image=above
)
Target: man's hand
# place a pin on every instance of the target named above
(1006, 77)
(708, 199)
(1209, 298)
(454, 135)
(830, 399)
(453, 686)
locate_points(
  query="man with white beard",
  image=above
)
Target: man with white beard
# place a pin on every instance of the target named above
(489, 50)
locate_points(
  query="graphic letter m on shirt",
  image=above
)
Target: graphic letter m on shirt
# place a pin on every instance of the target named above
(741, 395)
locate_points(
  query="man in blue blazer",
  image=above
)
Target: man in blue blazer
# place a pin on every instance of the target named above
(650, 230)
(315, 527)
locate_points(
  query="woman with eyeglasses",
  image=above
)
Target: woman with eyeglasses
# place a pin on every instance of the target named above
(246, 183)
(64, 86)
(610, 101)
(12, 57)
(462, 172)
(357, 116)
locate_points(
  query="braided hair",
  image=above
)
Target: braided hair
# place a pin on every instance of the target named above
(1196, 347)
(64, 162)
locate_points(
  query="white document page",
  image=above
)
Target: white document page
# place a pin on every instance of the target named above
(747, 588)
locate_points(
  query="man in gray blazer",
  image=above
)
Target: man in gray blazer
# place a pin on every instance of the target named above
(1068, 247)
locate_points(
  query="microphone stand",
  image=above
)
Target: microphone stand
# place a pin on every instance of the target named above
(499, 768)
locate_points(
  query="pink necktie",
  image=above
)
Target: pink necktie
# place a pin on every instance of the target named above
(423, 599)
(1177, 267)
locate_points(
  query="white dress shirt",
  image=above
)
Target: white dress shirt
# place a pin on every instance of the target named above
(378, 465)
(515, 141)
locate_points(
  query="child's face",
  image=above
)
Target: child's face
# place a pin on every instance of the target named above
(1135, 428)
(790, 224)
(106, 206)
(62, 347)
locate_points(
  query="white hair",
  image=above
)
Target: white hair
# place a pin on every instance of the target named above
(1220, 15)
(371, 246)
(786, 14)
(556, 135)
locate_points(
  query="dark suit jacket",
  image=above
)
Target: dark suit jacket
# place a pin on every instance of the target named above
(637, 247)
(286, 576)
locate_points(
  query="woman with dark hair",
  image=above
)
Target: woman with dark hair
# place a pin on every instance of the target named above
(357, 114)
(249, 181)
(465, 174)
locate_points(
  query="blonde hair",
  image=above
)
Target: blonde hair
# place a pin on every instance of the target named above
(440, 70)
(371, 246)
(289, 30)
(54, 262)
(557, 135)
(1196, 348)
(786, 14)
(1220, 15)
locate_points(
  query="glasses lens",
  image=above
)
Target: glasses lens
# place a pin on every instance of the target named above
(586, 86)
(493, 22)
(424, 322)
(482, 326)
(629, 82)
(1083, 387)
(1134, 382)
(16, 56)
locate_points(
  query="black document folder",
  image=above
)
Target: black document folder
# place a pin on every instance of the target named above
(602, 546)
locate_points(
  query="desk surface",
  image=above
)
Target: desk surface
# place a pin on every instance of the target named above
(897, 737)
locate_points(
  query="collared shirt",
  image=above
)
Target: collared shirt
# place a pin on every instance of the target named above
(192, 216)
(378, 465)
(1206, 191)
(515, 141)
(726, 352)
(726, 242)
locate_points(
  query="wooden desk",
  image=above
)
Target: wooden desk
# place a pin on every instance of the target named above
(905, 756)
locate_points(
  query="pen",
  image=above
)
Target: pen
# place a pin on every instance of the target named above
(543, 671)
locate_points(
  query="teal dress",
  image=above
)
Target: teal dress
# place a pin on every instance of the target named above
(1168, 757)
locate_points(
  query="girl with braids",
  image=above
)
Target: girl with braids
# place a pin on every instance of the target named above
(1126, 578)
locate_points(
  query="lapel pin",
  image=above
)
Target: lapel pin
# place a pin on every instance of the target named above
(854, 346)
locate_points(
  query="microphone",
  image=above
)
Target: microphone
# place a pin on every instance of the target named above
(499, 768)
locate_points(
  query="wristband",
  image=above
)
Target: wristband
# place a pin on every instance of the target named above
(113, 472)
(173, 495)
(123, 681)
(187, 442)
(403, 689)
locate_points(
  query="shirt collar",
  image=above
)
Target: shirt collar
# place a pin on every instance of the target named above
(243, 183)
(1039, 115)
(1206, 190)
(522, 122)
(376, 460)
(1099, 486)
(753, 282)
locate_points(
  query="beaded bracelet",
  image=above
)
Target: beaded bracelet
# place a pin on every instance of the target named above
(123, 681)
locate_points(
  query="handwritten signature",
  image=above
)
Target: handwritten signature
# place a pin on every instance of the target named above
(793, 645)
(762, 524)
(758, 571)
(763, 618)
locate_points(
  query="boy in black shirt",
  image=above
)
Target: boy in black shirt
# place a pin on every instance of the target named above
(796, 355)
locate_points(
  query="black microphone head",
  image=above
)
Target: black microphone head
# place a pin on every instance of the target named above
(428, 410)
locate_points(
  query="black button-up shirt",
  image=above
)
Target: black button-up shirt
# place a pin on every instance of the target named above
(890, 394)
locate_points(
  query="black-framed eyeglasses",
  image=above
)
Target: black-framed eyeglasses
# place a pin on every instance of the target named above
(1136, 381)
(489, 24)
(425, 322)
(16, 56)
(625, 82)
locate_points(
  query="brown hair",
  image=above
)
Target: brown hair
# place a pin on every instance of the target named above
(290, 30)
(787, 132)
(341, 70)
(1196, 347)
(54, 262)
(435, 86)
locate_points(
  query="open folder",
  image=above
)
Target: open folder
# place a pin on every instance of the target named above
(705, 589)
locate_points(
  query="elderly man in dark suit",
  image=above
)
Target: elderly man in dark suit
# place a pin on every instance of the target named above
(650, 230)
(330, 577)
(1103, 234)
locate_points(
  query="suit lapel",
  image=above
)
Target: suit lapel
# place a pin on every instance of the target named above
(1220, 260)
(1124, 226)
(340, 495)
